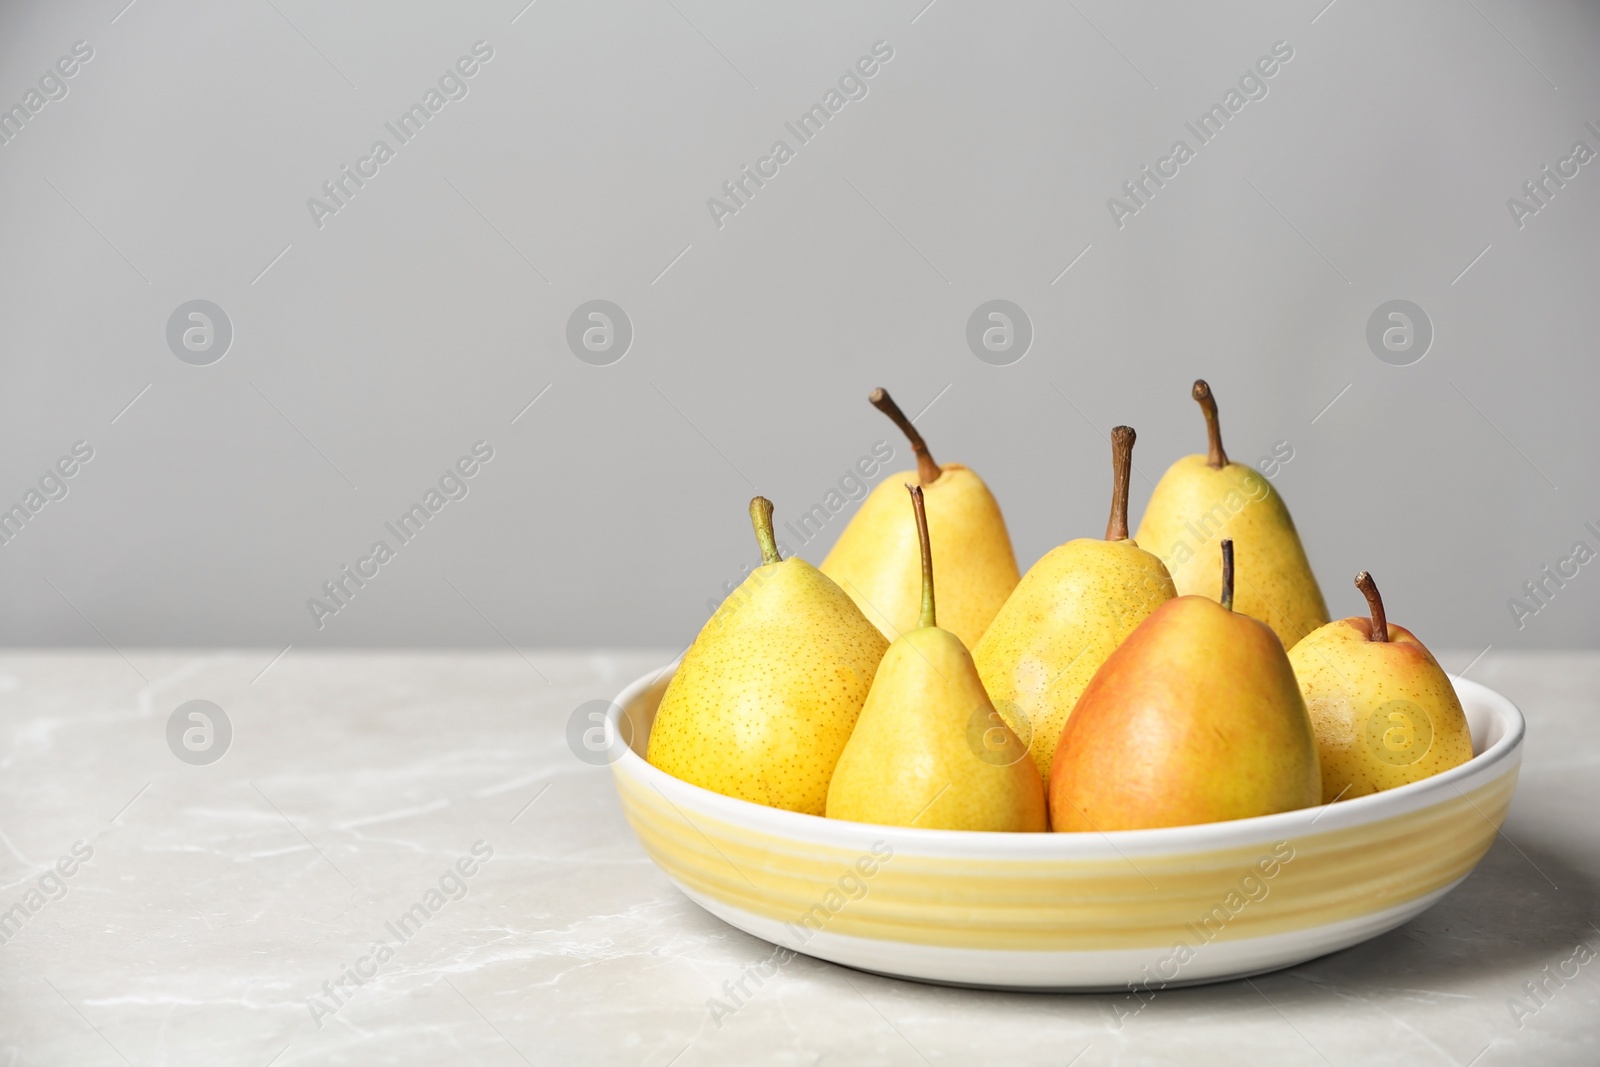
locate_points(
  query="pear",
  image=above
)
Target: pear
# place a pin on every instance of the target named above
(1203, 499)
(916, 758)
(1070, 611)
(1195, 718)
(1384, 711)
(875, 558)
(767, 695)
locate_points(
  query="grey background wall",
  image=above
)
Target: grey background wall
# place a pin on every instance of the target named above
(373, 346)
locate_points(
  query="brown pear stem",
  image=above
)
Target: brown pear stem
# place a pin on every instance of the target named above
(927, 618)
(927, 470)
(1122, 438)
(1216, 458)
(1380, 623)
(761, 519)
(1227, 574)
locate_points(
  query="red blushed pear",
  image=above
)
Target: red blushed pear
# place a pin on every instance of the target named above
(1384, 711)
(1195, 718)
(1070, 611)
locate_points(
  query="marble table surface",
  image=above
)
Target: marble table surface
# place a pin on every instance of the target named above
(177, 911)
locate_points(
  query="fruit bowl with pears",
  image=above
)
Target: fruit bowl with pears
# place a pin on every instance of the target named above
(1148, 762)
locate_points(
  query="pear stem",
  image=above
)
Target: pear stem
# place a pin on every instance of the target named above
(1216, 458)
(1227, 574)
(1122, 438)
(927, 618)
(761, 519)
(1380, 623)
(927, 470)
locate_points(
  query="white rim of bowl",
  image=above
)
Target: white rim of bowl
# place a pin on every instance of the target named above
(1413, 796)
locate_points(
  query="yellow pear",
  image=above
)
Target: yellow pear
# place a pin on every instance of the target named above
(875, 559)
(918, 755)
(1196, 718)
(767, 695)
(1203, 499)
(1384, 711)
(1070, 612)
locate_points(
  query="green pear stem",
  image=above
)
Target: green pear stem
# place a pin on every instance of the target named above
(1227, 574)
(1216, 458)
(761, 519)
(1380, 623)
(927, 470)
(927, 618)
(1122, 438)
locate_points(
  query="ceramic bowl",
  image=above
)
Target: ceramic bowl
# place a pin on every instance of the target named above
(1083, 911)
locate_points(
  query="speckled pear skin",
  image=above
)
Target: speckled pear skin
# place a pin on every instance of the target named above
(1195, 507)
(911, 760)
(1346, 678)
(1195, 718)
(767, 695)
(1067, 615)
(877, 560)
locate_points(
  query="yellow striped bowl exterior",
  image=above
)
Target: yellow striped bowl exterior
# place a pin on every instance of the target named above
(1075, 911)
